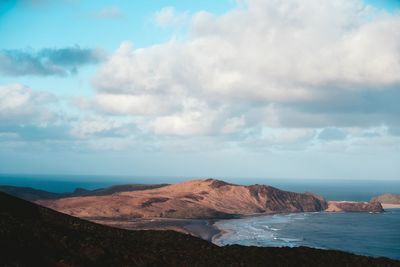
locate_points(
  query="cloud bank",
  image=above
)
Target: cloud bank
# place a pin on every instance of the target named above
(267, 75)
(265, 65)
(47, 61)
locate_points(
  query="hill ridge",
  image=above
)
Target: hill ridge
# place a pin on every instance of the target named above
(199, 198)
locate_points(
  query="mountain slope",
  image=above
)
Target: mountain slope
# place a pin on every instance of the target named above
(31, 235)
(193, 199)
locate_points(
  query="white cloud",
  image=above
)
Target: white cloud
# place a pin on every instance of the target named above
(270, 64)
(22, 105)
(190, 123)
(168, 16)
(196, 118)
(134, 104)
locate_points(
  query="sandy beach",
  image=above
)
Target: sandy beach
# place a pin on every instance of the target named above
(204, 229)
(391, 206)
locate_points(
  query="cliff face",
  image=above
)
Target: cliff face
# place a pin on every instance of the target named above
(349, 206)
(276, 200)
(193, 199)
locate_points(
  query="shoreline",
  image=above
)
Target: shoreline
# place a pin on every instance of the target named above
(205, 229)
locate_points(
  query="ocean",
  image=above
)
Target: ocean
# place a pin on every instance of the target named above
(376, 234)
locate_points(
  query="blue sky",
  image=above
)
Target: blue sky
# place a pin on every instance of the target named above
(301, 89)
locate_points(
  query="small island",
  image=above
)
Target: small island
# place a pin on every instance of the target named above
(353, 206)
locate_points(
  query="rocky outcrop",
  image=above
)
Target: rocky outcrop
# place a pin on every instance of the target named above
(351, 206)
(193, 199)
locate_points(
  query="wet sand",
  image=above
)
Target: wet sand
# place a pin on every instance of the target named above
(204, 229)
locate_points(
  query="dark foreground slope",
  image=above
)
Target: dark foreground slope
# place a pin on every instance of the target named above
(31, 235)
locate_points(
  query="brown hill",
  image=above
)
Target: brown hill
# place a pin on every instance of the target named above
(193, 199)
(31, 235)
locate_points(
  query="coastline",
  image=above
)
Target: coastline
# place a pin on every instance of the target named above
(206, 229)
(295, 232)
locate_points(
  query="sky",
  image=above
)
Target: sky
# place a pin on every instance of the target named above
(302, 89)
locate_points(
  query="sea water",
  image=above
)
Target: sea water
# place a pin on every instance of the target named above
(372, 234)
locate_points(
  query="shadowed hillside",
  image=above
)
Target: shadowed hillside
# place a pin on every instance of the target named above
(31, 235)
